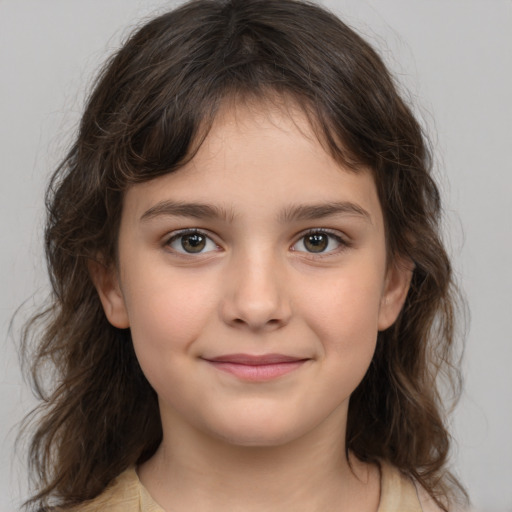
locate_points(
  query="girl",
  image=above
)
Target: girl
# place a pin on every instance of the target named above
(251, 302)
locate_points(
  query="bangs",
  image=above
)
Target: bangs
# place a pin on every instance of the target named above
(159, 100)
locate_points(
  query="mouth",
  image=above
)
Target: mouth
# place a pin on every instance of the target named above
(256, 368)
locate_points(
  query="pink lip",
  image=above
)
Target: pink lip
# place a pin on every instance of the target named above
(256, 368)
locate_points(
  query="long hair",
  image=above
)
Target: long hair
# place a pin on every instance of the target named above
(151, 107)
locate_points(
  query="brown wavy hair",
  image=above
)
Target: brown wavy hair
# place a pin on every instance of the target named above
(152, 105)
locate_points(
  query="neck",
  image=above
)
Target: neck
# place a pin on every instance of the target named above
(194, 471)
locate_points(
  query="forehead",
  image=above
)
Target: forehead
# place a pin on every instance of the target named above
(259, 156)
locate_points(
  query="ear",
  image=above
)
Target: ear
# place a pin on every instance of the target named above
(106, 281)
(396, 286)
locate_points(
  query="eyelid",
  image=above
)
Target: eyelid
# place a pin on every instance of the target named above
(344, 242)
(342, 239)
(174, 235)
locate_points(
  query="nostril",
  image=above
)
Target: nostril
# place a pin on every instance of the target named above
(254, 306)
(272, 323)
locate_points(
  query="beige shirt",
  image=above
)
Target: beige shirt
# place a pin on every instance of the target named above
(127, 494)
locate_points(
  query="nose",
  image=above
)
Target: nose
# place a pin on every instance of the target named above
(256, 296)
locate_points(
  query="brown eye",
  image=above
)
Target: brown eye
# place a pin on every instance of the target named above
(193, 242)
(316, 242)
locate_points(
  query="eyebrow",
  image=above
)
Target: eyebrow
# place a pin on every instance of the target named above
(320, 211)
(292, 213)
(182, 209)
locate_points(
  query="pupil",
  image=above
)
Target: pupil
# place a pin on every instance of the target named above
(193, 243)
(316, 243)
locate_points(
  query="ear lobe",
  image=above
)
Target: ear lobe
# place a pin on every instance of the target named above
(107, 285)
(396, 286)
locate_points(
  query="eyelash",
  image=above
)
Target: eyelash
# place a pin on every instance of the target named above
(333, 235)
(188, 232)
(342, 243)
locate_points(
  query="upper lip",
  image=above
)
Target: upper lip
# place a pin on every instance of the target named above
(255, 360)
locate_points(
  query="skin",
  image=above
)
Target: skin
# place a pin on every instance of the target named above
(255, 288)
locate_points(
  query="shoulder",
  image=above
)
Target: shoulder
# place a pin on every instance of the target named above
(427, 503)
(399, 493)
(124, 494)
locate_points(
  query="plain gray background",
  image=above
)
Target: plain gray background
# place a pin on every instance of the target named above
(455, 59)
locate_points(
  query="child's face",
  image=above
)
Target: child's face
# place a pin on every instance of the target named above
(254, 282)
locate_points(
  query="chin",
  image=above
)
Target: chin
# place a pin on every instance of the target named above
(256, 439)
(261, 432)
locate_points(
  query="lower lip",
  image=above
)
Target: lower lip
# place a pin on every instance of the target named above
(260, 372)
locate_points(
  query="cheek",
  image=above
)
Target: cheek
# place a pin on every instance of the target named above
(167, 313)
(343, 312)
